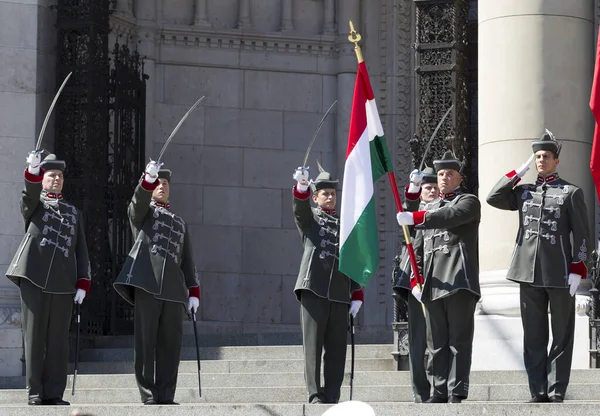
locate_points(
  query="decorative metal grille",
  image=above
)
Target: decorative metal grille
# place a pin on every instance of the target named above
(441, 52)
(595, 310)
(98, 174)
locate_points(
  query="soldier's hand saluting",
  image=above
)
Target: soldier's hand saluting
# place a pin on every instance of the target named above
(522, 170)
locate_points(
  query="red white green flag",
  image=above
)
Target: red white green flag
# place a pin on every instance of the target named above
(367, 159)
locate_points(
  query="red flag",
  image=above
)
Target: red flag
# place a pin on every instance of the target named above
(595, 107)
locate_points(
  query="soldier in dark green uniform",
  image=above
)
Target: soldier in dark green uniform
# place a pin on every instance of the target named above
(325, 294)
(423, 187)
(548, 262)
(448, 260)
(51, 264)
(159, 278)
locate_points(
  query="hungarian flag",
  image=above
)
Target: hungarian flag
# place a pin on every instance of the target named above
(367, 159)
(595, 106)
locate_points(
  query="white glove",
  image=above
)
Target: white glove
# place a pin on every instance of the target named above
(34, 159)
(301, 176)
(417, 293)
(522, 170)
(193, 303)
(416, 178)
(405, 218)
(355, 307)
(79, 296)
(152, 169)
(574, 280)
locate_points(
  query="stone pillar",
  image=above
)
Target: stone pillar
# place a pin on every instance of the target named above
(244, 15)
(531, 76)
(123, 6)
(287, 23)
(147, 37)
(329, 17)
(200, 14)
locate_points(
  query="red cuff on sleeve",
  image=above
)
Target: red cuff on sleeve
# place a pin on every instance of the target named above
(412, 196)
(579, 268)
(194, 292)
(300, 195)
(84, 283)
(358, 295)
(511, 175)
(34, 178)
(419, 217)
(149, 186)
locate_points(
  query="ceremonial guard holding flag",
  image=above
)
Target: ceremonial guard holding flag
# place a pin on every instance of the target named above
(325, 294)
(549, 261)
(159, 278)
(422, 189)
(50, 266)
(448, 260)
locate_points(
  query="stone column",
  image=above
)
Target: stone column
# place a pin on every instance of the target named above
(287, 23)
(244, 15)
(123, 6)
(329, 17)
(531, 76)
(200, 14)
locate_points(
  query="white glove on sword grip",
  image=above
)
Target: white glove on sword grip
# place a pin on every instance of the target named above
(415, 180)
(79, 296)
(301, 177)
(193, 303)
(522, 170)
(34, 159)
(152, 169)
(355, 307)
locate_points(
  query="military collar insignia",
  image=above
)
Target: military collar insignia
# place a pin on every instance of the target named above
(52, 195)
(450, 195)
(161, 204)
(547, 179)
(331, 212)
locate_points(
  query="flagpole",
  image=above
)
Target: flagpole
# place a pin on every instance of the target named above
(355, 37)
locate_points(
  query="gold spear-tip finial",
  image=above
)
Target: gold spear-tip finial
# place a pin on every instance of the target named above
(355, 37)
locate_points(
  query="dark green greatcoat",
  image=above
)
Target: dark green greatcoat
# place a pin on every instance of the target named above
(160, 261)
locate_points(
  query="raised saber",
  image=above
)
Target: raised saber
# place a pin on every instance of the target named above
(316, 133)
(433, 136)
(39, 140)
(196, 104)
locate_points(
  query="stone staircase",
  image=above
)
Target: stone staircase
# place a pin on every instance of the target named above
(268, 380)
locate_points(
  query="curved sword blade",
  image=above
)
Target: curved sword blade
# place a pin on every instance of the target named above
(433, 136)
(317, 132)
(39, 140)
(196, 104)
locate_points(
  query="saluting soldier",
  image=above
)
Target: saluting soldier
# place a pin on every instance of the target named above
(326, 295)
(421, 190)
(549, 261)
(159, 278)
(51, 264)
(448, 260)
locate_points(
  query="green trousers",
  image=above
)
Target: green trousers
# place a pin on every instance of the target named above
(46, 319)
(450, 329)
(548, 373)
(158, 335)
(324, 327)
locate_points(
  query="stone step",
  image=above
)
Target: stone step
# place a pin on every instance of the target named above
(233, 366)
(569, 408)
(296, 379)
(277, 394)
(236, 353)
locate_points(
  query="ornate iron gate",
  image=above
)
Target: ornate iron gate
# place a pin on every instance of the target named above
(101, 157)
(446, 69)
